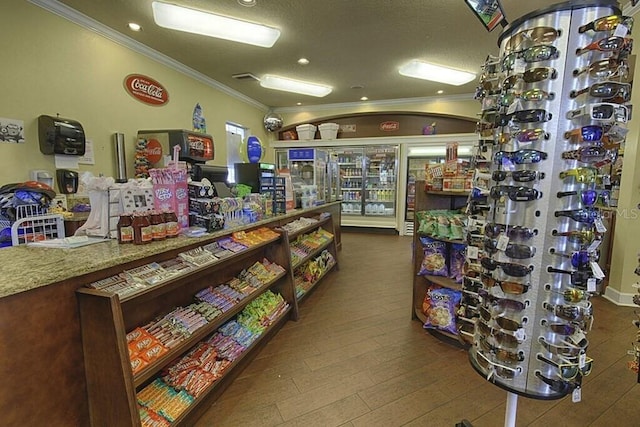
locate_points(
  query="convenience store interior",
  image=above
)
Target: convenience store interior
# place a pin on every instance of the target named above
(354, 357)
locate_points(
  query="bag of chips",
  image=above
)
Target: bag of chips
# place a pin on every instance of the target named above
(456, 261)
(434, 261)
(440, 306)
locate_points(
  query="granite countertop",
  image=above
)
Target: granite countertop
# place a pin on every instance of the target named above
(25, 267)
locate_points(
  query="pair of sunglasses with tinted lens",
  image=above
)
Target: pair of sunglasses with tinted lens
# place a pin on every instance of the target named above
(511, 269)
(602, 111)
(532, 75)
(501, 354)
(513, 250)
(529, 55)
(530, 95)
(508, 287)
(567, 350)
(610, 91)
(535, 115)
(587, 215)
(573, 295)
(502, 338)
(507, 324)
(579, 259)
(502, 371)
(565, 329)
(607, 23)
(588, 197)
(517, 176)
(559, 386)
(570, 312)
(514, 193)
(568, 370)
(607, 44)
(520, 157)
(585, 237)
(536, 35)
(579, 278)
(581, 175)
(513, 232)
(604, 69)
(591, 154)
(501, 303)
(590, 133)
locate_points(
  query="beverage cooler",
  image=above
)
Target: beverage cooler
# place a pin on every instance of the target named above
(308, 167)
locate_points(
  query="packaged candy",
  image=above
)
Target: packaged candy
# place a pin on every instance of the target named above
(456, 261)
(434, 261)
(440, 306)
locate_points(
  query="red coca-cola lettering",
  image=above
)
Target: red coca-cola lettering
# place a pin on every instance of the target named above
(146, 90)
(153, 152)
(200, 147)
(389, 126)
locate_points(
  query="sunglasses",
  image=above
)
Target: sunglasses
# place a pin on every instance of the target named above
(607, 23)
(502, 303)
(532, 35)
(517, 176)
(513, 232)
(573, 295)
(524, 135)
(587, 215)
(573, 313)
(512, 250)
(508, 287)
(581, 175)
(515, 270)
(591, 133)
(560, 328)
(504, 372)
(568, 350)
(524, 116)
(529, 55)
(602, 112)
(476, 207)
(607, 44)
(612, 91)
(520, 157)
(579, 259)
(501, 354)
(507, 324)
(532, 75)
(560, 386)
(569, 370)
(515, 193)
(579, 278)
(588, 197)
(502, 338)
(509, 98)
(584, 237)
(605, 68)
(591, 154)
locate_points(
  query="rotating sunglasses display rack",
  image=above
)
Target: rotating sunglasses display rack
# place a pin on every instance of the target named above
(559, 108)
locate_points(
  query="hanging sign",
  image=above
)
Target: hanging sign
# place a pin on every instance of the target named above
(145, 89)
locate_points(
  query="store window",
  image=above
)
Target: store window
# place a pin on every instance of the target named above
(235, 135)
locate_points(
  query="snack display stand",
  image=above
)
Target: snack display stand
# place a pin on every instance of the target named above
(556, 67)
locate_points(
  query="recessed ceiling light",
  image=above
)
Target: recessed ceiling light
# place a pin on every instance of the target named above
(295, 86)
(298, 103)
(248, 3)
(436, 73)
(440, 92)
(364, 98)
(303, 61)
(134, 27)
(208, 24)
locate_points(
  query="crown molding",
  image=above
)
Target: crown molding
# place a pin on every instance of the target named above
(91, 24)
(382, 103)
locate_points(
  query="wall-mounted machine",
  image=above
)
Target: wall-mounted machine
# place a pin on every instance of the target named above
(61, 136)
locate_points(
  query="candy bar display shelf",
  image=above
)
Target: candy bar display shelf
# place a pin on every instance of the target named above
(106, 318)
(430, 200)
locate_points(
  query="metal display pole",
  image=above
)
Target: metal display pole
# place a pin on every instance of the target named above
(510, 412)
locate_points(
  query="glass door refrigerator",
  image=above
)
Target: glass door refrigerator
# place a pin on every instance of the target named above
(380, 181)
(350, 167)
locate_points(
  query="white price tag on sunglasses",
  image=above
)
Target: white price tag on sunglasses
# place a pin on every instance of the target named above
(576, 396)
(591, 284)
(519, 66)
(503, 242)
(600, 228)
(594, 245)
(519, 334)
(582, 360)
(621, 31)
(472, 252)
(596, 270)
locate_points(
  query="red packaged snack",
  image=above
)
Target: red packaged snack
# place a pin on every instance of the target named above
(137, 364)
(151, 353)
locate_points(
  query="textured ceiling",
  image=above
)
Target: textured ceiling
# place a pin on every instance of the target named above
(348, 42)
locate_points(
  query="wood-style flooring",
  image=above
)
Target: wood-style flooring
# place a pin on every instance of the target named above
(356, 359)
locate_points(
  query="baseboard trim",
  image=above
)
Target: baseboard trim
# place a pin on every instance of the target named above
(619, 298)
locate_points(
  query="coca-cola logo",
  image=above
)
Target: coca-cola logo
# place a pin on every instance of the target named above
(389, 126)
(153, 151)
(146, 89)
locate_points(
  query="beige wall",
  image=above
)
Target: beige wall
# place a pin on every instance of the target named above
(53, 66)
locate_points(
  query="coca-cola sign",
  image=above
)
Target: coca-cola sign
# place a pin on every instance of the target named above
(146, 89)
(389, 126)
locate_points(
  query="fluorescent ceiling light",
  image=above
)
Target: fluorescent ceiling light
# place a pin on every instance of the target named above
(208, 24)
(437, 151)
(295, 86)
(426, 71)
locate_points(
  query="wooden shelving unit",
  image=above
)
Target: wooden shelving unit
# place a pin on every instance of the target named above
(106, 319)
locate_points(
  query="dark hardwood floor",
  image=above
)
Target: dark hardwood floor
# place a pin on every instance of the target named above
(356, 359)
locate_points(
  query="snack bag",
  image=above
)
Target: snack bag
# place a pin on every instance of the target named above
(440, 306)
(434, 262)
(456, 261)
(457, 227)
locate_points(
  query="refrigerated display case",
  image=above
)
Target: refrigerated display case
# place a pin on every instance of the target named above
(415, 172)
(307, 166)
(350, 166)
(380, 181)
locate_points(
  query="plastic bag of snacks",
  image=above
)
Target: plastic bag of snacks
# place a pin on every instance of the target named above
(434, 261)
(456, 228)
(440, 306)
(456, 261)
(427, 222)
(443, 224)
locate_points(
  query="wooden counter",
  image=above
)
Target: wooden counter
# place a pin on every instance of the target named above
(42, 367)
